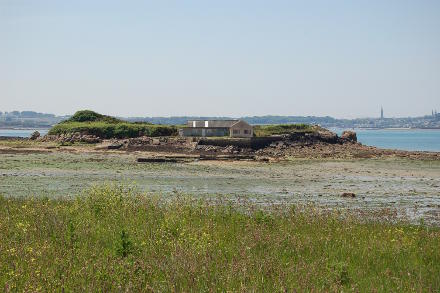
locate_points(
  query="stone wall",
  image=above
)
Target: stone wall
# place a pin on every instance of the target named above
(249, 143)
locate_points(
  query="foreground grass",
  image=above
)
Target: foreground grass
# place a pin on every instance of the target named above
(111, 239)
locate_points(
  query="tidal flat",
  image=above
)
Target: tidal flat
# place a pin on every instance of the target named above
(407, 189)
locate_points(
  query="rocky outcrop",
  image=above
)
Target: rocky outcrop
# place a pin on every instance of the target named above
(349, 135)
(322, 135)
(71, 138)
(160, 144)
(35, 135)
(327, 136)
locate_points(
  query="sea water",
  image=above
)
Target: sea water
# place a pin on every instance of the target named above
(400, 139)
(21, 132)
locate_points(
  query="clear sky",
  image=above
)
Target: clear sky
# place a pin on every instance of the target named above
(228, 58)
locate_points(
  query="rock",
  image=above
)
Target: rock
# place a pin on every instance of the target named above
(228, 149)
(90, 139)
(115, 146)
(48, 137)
(157, 160)
(349, 135)
(348, 194)
(35, 135)
(324, 136)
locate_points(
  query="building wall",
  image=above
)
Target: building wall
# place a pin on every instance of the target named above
(241, 129)
(232, 128)
(203, 132)
(255, 143)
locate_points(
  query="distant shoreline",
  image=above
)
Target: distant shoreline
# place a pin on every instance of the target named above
(24, 128)
(328, 127)
(386, 128)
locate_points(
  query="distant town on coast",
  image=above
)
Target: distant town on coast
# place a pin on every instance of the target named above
(31, 119)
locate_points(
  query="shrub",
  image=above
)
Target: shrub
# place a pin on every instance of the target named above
(91, 116)
(124, 246)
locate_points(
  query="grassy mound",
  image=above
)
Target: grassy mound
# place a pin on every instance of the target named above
(91, 116)
(92, 123)
(113, 239)
(114, 130)
(277, 129)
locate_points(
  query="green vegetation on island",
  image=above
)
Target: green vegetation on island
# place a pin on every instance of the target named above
(91, 116)
(277, 129)
(115, 239)
(103, 126)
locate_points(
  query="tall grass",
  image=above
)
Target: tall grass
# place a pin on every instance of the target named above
(114, 239)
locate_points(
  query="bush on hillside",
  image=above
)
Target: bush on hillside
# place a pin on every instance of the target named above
(113, 130)
(91, 116)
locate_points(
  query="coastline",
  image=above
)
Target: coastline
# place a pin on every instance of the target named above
(384, 128)
(25, 128)
(399, 139)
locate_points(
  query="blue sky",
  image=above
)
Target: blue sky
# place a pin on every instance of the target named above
(228, 58)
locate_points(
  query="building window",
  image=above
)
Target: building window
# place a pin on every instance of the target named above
(236, 131)
(246, 131)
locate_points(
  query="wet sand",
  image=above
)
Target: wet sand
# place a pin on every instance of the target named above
(407, 188)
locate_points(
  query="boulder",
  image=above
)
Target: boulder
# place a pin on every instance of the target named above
(348, 194)
(326, 136)
(35, 135)
(90, 139)
(349, 135)
(115, 146)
